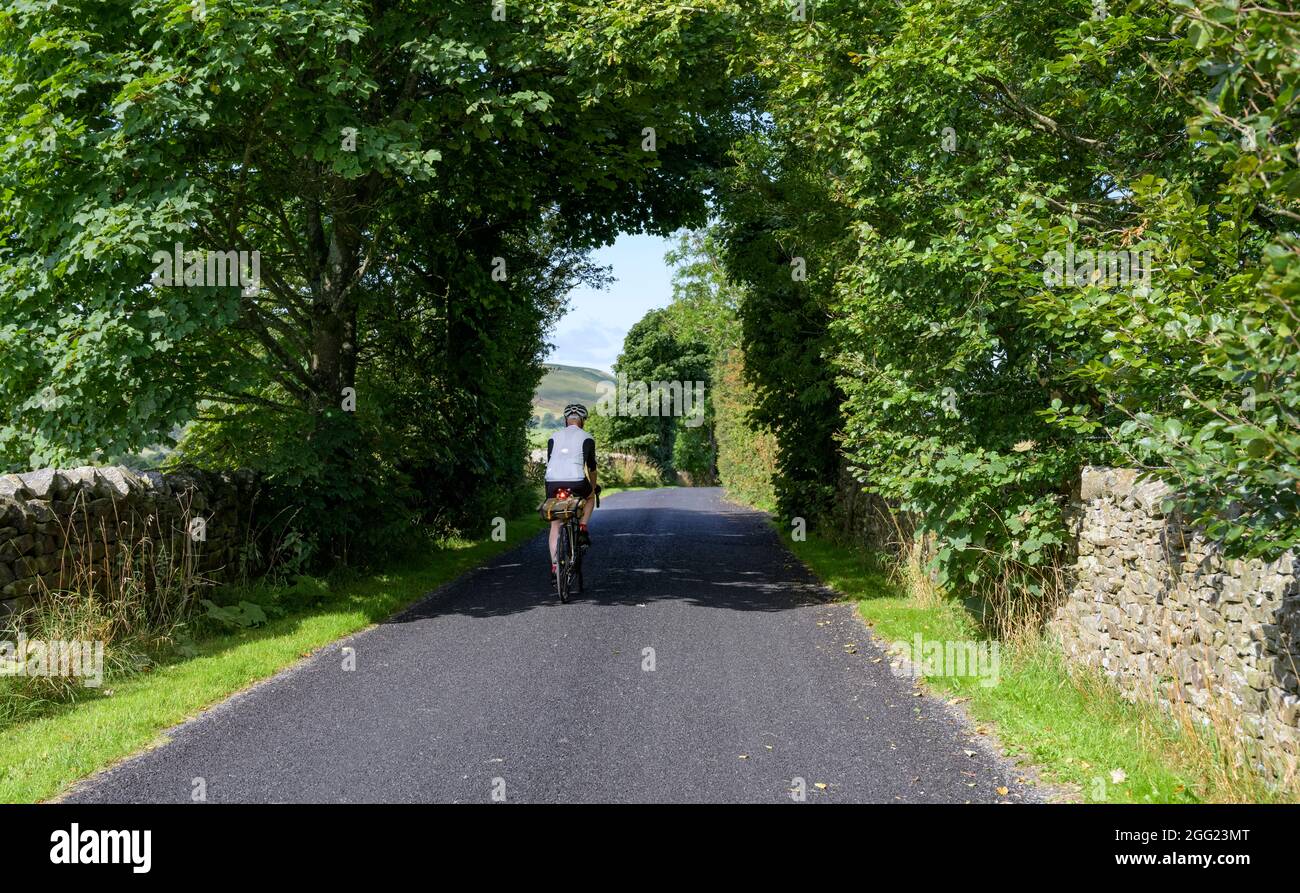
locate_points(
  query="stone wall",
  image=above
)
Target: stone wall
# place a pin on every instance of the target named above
(62, 529)
(1164, 614)
(865, 519)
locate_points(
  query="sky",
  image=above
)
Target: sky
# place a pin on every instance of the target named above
(591, 333)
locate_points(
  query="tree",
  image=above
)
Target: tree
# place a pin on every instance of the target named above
(927, 162)
(379, 155)
(654, 370)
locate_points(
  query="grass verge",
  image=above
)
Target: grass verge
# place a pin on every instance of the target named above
(1072, 725)
(41, 755)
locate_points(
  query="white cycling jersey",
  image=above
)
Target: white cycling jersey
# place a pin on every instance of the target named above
(566, 462)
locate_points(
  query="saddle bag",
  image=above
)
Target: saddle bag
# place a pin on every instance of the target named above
(559, 509)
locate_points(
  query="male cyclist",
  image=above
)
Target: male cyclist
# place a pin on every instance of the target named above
(571, 465)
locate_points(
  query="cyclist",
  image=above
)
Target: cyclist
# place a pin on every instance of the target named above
(571, 465)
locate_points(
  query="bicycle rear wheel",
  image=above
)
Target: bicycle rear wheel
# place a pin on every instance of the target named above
(564, 562)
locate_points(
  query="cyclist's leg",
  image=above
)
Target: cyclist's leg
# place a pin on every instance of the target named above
(553, 487)
(588, 503)
(554, 538)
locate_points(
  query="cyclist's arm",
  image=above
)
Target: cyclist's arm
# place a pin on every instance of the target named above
(589, 459)
(550, 445)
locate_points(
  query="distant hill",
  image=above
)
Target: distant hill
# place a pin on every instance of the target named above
(562, 385)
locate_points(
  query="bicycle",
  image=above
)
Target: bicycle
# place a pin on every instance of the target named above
(568, 554)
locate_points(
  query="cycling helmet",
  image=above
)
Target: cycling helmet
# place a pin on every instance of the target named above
(576, 409)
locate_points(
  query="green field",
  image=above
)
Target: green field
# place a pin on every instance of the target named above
(562, 385)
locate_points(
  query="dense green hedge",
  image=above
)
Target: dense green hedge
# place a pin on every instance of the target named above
(746, 453)
(938, 168)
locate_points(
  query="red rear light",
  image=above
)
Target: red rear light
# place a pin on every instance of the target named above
(561, 493)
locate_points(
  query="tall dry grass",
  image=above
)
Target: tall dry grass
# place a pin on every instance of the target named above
(1214, 740)
(123, 583)
(1012, 604)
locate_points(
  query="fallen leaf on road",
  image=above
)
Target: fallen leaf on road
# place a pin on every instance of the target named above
(744, 756)
(1002, 792)
(970, 753)
(821, 786)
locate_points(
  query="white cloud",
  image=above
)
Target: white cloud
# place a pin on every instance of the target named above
(592, 332)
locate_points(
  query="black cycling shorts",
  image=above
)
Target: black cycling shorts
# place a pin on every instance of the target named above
(575, 488)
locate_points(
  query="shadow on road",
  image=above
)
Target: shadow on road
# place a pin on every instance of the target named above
(730, 559)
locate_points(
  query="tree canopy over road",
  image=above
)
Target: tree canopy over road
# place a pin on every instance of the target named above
(966, 248)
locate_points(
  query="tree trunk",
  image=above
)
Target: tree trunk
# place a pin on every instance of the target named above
(333, 356)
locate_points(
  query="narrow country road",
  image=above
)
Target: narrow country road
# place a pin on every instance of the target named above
(491, 686)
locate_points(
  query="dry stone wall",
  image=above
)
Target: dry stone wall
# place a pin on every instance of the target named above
(1160, 610)
(66, 528)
